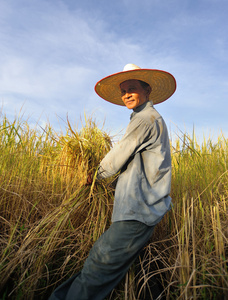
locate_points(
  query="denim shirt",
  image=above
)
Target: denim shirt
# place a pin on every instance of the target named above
(143, 158)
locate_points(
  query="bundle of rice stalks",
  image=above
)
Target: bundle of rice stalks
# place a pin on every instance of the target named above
(79, 154)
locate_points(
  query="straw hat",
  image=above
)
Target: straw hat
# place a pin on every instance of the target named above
(163, 84)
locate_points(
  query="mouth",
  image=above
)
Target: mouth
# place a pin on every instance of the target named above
(129, 102)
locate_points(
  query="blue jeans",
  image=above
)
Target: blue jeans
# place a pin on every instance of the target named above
(108, 262)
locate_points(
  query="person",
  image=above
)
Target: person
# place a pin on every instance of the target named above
(142, 197)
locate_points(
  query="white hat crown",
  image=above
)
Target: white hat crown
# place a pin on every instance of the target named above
(130, 67)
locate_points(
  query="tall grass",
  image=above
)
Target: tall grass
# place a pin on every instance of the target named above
(193, 249)
(50, 218)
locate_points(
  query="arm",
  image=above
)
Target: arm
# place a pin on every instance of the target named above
(137, 135)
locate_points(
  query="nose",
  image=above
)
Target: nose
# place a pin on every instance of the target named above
(127, 95)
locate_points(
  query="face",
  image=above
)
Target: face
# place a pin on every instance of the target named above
(133, 94)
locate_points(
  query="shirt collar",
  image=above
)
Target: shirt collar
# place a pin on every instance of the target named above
(141, 107)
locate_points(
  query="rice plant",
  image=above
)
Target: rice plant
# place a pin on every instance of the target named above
(189, 249)
(50, 218)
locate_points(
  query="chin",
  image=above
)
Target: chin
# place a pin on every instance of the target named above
(131, 105)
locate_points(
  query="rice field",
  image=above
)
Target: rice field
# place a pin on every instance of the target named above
(50, 218)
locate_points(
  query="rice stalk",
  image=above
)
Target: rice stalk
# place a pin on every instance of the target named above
(50, 218)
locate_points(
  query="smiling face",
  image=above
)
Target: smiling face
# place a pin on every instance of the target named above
(133, 93)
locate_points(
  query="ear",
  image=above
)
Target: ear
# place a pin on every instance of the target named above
(149, 90)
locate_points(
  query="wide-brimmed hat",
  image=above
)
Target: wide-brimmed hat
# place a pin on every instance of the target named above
(163, 84)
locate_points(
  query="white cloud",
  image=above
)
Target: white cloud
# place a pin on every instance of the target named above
(52, 54)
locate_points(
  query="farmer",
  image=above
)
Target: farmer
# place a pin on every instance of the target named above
(142, 192)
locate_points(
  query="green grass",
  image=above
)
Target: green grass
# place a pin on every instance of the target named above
(50, 218)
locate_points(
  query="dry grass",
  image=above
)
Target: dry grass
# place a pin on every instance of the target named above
(50, 219)
(187, 257)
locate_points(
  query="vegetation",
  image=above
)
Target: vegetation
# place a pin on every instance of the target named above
(50, 218)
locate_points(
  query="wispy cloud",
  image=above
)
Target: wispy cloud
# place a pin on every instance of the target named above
(53, 53)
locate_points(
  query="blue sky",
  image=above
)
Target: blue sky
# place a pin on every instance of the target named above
(54, 52)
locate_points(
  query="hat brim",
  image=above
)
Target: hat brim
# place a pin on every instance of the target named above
(163, 85)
